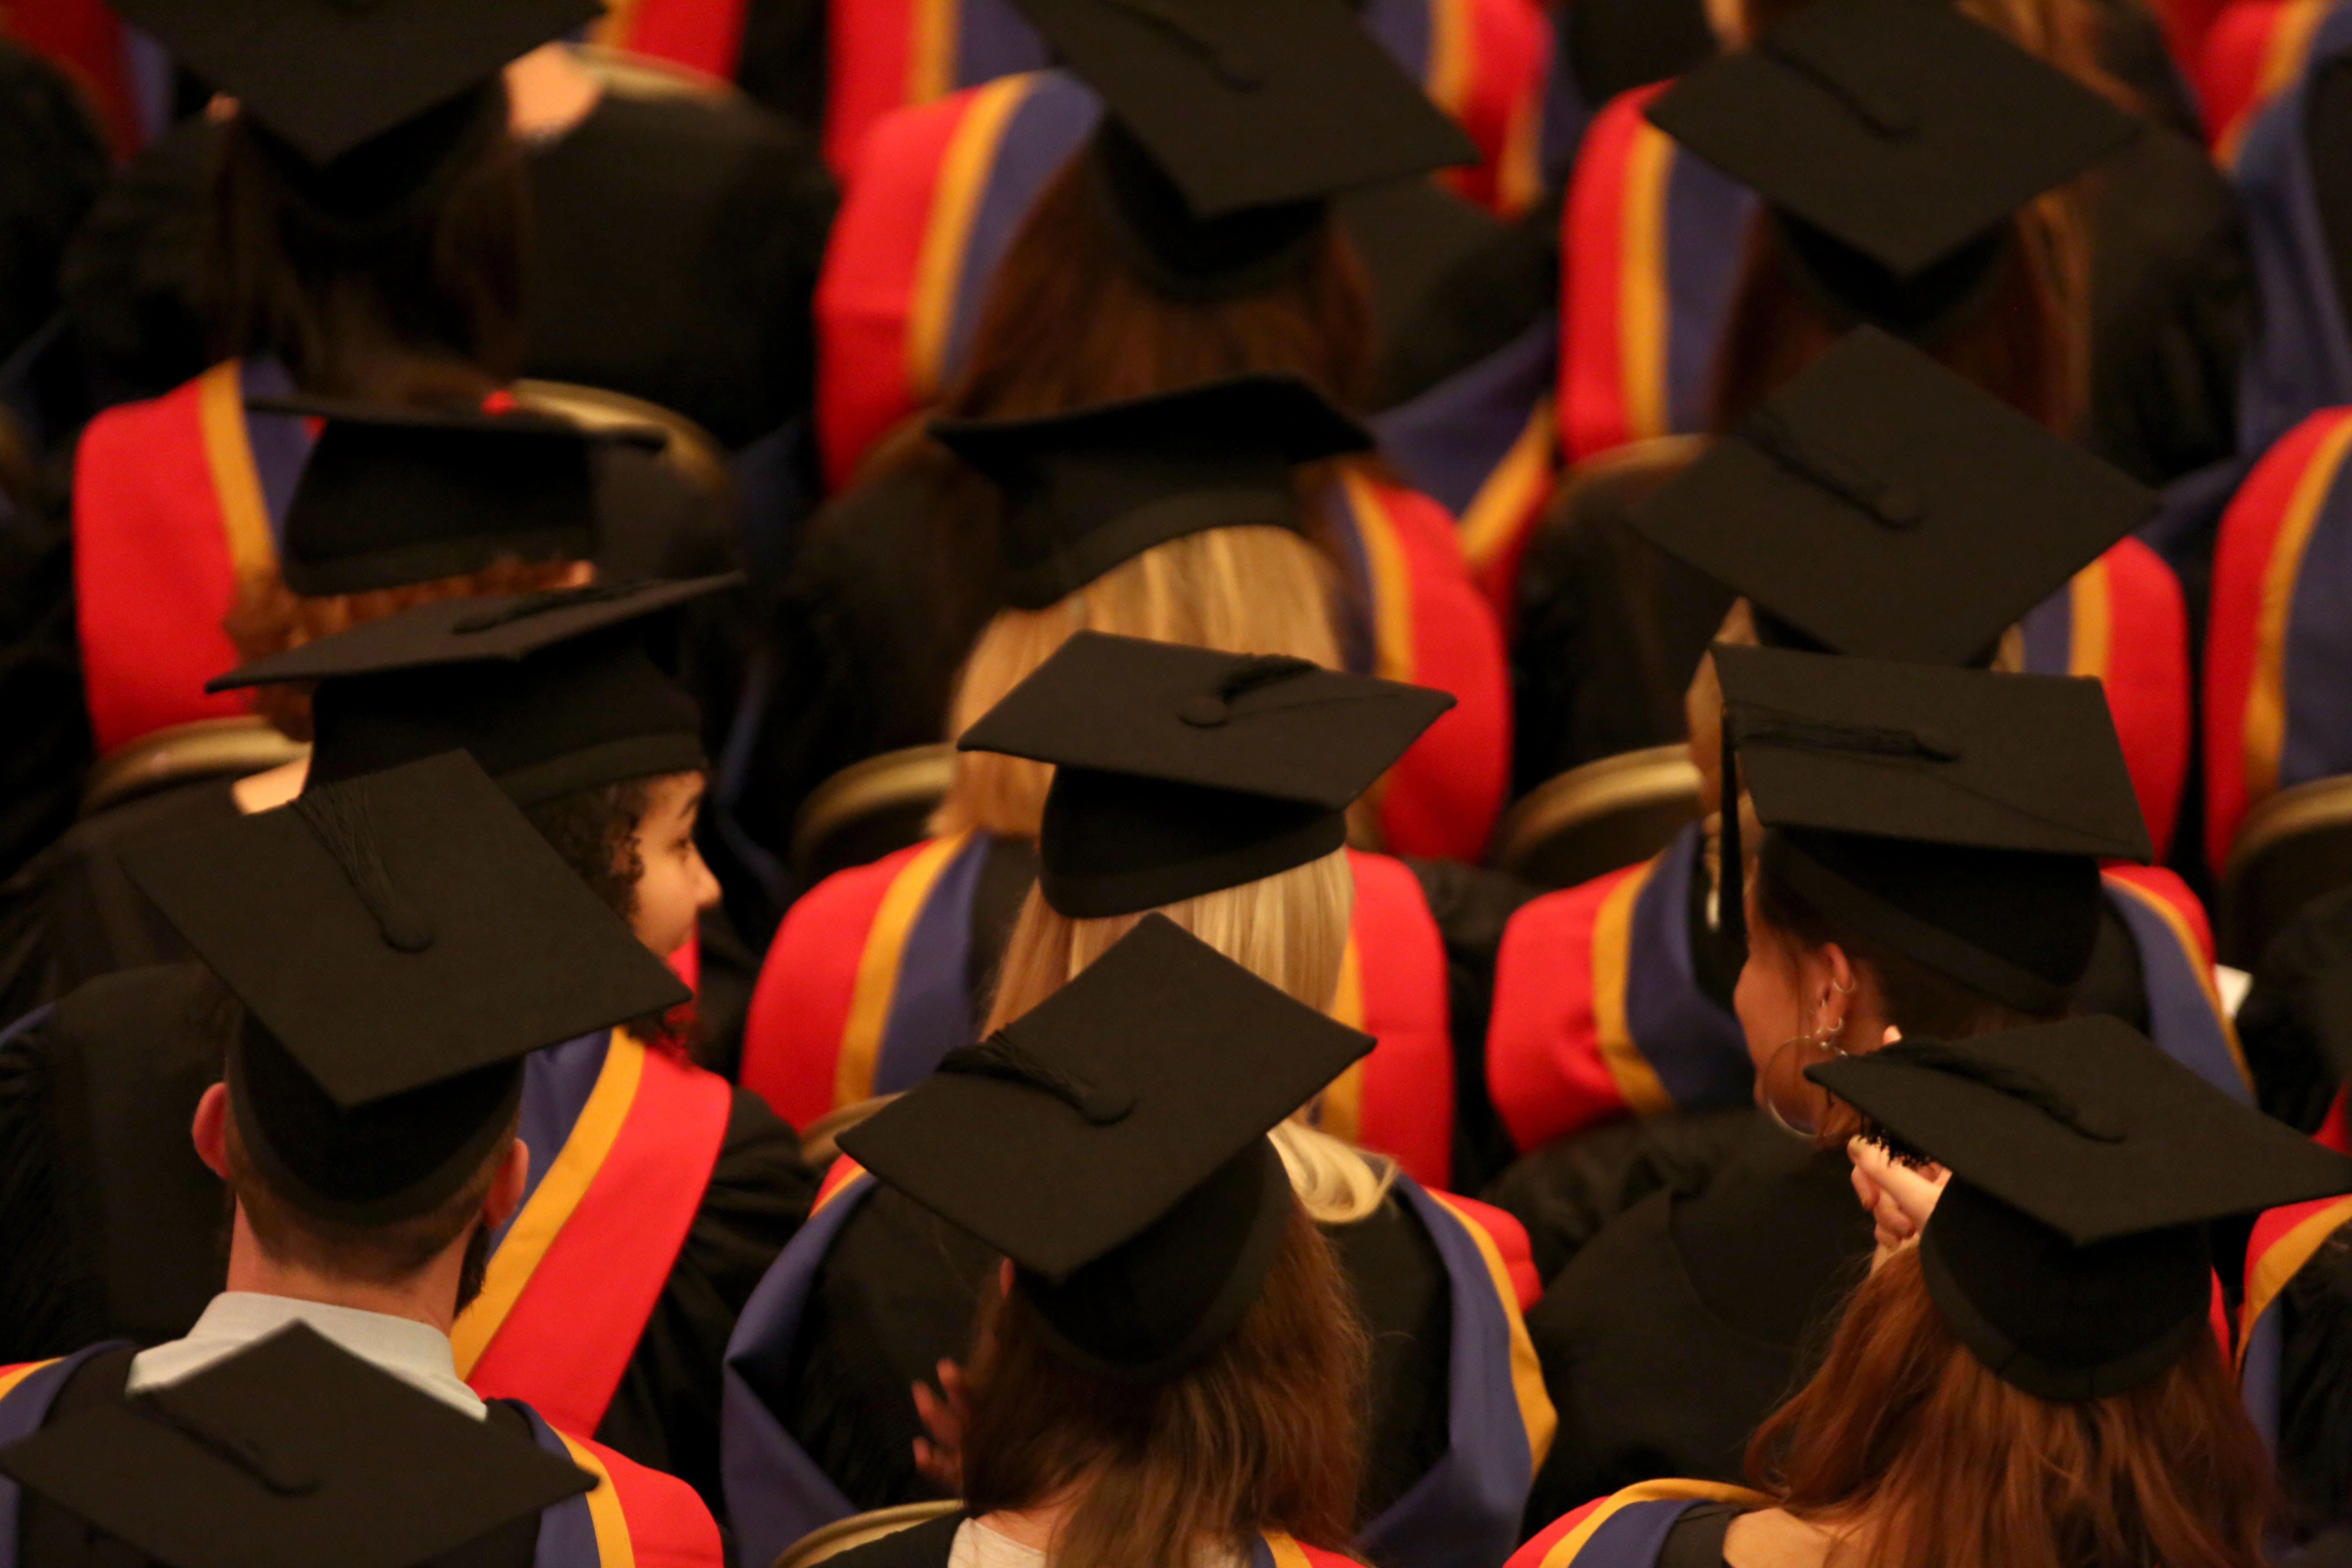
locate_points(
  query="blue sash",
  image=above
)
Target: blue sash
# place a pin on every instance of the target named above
(2302, 360)
(22, 1411)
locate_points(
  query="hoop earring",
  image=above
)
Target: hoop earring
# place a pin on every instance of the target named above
(1786, 1069)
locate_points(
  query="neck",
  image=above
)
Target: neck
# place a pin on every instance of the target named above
(268, 790)
(428, 1297)
(1036, 1527)
(548, 93)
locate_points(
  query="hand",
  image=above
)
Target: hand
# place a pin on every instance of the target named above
(940, 1459)
(1899, 1197)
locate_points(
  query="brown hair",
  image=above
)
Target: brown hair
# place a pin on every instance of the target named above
(2028, 342)
(353, 310)
(1931, 1461)
(377, 1254)
(1266, 1434)
(1067, 322)
(269, 617)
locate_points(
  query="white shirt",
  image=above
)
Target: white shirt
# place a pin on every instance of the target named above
(416, 1353)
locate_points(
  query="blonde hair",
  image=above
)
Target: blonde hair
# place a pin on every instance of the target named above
(1289, 930)
(1238, 590)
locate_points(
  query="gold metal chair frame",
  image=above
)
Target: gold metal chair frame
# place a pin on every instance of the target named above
(182, 754)
(859, 1529)
(2315, 806)
(1596, 819)
(891, 782)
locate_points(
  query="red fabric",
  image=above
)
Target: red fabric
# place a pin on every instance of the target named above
(2334, 1133)
(686, 963)
(2148, 680)
(702, 35)
(2242, 558)
(151, 573)
(2187, 26)
(1442, 797)
(1499, 579)
(1321, 1557)
(2229, 65)
(1591, 373)
(1543, 1061)
(566, 1341)
(1407, 1113)
(1510, 1239)
(1510, 44)
(868, 279)
(791, 1037)
(82, 38)
(865, 70)
(669, 1527)
(1533, 1553)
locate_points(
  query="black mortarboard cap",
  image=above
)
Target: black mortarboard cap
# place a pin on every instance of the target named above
(290, 1454)
(551, 692)
(1230, 124)
(361, 104)
(1111, 1142)
(1093, 488)
(400, 942)
(1891, 136)
(394, 496)
(1958, 815)
(2069, 1251)
(1179, 771)
(1880, 505)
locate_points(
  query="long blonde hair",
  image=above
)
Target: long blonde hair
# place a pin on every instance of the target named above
(1289, 930)
(1238, 590)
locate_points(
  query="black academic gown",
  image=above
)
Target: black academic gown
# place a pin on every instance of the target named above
(1610, 628)
(675, 250)
(899, 1290)
(113, 1228)
(1679, 1326)
(49, 1537)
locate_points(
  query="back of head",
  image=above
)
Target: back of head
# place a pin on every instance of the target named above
(1263, 1434)
(1941, 1462)
(421, 303)
(1237, 590)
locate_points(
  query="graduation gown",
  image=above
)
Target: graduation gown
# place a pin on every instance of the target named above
(882, 970)
(2276, 654)
(634, 1515)
(888, 595)
(938, 199)
(2298, 206)
(1613, 1000)
(1679, 1326)
(1652, 1524)
(931, 1544)
(1611, 629)
(657, 1196)
(673, 250)
(877, 1289)
(1655, 240)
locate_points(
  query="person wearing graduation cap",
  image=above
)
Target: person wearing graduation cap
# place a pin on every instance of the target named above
(366, 232)
(1211, 789)
(1878, 507)
(1167, 1367)
(392, 508)
(1187, 235)
(1897, 165)
(2030, 1373)
(368, 1028)
(1175, 518)
(613, 1311)
(1929, 861)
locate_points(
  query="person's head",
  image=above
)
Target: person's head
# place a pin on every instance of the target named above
(300, 1241)
(419, 299)
(2008, 309)
(1906, 1429)
(1264, 1434)
(1176, 1358)
(1927, 848)
(632, 842)
(269, 617)
(1255, 590)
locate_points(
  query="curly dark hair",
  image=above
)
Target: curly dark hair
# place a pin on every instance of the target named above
(595, 831)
